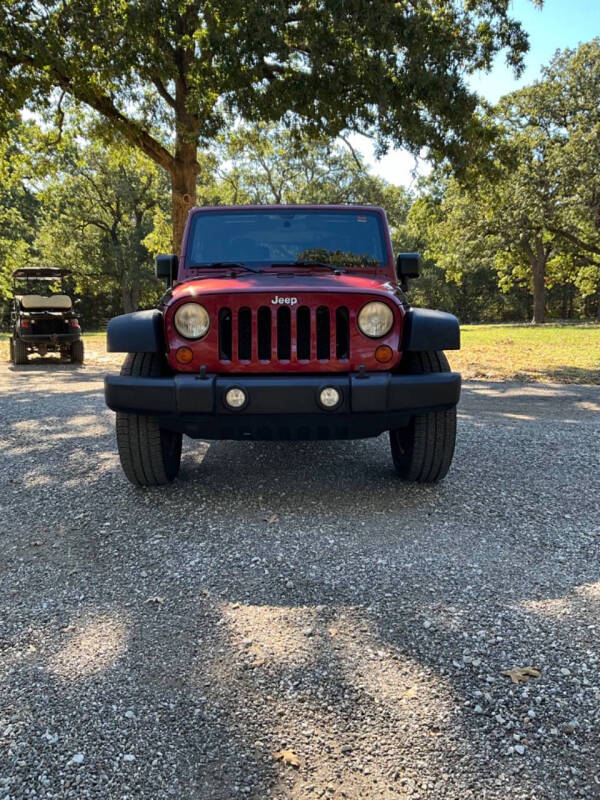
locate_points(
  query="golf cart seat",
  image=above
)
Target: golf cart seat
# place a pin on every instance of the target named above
(35, 302)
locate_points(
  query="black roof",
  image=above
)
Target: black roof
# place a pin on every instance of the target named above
(41, 273)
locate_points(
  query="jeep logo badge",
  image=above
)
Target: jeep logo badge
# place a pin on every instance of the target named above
(280, 301)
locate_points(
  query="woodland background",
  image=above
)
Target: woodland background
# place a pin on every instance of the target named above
(509, 234)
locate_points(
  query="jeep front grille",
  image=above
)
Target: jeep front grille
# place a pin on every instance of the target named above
(284, 334)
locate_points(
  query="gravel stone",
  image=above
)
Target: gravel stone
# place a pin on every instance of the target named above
(160, 636)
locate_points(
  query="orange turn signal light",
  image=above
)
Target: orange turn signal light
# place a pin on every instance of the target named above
(384, 353)
(183, 355)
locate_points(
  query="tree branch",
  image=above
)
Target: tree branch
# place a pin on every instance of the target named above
(131, 130)
(272, 70)
(353, 152)
(164, 93)
(575, 240)
(102, 200)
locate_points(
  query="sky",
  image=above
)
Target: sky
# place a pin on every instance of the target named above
(559, 24)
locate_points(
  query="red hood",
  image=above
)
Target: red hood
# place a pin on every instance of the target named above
(283, 294)
(284, 282)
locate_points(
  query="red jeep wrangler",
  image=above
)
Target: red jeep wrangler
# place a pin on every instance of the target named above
(284, 322)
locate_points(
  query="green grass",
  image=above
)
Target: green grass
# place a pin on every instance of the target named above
(555, 352)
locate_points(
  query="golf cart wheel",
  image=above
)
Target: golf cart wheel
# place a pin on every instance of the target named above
(77, 352)
(11, 350)
(150, 455)
(19, 352)
(422, 451)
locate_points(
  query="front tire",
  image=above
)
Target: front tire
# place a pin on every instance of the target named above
(150, 455)
(422, 451)
(20, 353)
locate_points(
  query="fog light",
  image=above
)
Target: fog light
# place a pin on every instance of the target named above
(183, 355)
(384, 353)
(236, 398)
(329, 397)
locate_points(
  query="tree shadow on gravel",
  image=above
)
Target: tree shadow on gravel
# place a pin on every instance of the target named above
(61, 370)
(40, 363)
(512, 402)
(297, 596)
(373, 677)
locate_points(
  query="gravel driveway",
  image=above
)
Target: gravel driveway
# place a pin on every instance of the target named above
(296, 603)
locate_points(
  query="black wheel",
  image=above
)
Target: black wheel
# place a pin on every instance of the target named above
(77, 352)
(423, 450)
(150, 455)
(19, 352)
(11, 350)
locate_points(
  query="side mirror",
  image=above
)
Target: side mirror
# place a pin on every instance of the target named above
(166, 268)
(407, 266)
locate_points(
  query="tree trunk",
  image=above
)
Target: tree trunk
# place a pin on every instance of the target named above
(570, 306)
(538, 267)
(129, 298)
(564, 302)
(183, 189)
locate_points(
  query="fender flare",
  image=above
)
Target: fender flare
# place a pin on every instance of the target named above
(425, 329)
(139, 332)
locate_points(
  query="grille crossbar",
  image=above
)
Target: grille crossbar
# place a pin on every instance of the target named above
(285, 334)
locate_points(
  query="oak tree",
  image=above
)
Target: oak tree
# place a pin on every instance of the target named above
(167, 75)
(535, 218)
(562, 114)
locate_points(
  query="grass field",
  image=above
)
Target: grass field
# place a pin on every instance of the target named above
(553, 353)
(558, 353)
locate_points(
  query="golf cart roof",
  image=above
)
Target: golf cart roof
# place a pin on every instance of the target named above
(40, 273)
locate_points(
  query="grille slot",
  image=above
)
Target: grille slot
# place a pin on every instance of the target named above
(284, 334)
(244, 334)
(264, 333)
(323, 334)
(303, 333)
(225, 335)
(342, 333)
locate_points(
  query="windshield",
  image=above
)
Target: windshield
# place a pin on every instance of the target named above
(278, 237)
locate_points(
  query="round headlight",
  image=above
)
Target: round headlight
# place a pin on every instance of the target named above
(375, 319)
(192, 320)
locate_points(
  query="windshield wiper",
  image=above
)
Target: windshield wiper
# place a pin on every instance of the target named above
(334, 267)
(232, 264)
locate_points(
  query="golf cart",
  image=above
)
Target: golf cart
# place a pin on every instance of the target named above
(43, 321)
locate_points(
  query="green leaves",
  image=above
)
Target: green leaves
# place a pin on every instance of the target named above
(392, 69)
(536, 217)
(18, 205)
(95, 215)
(271, 164)
(167, 75)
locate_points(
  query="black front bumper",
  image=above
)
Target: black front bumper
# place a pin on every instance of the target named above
(283, 406)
